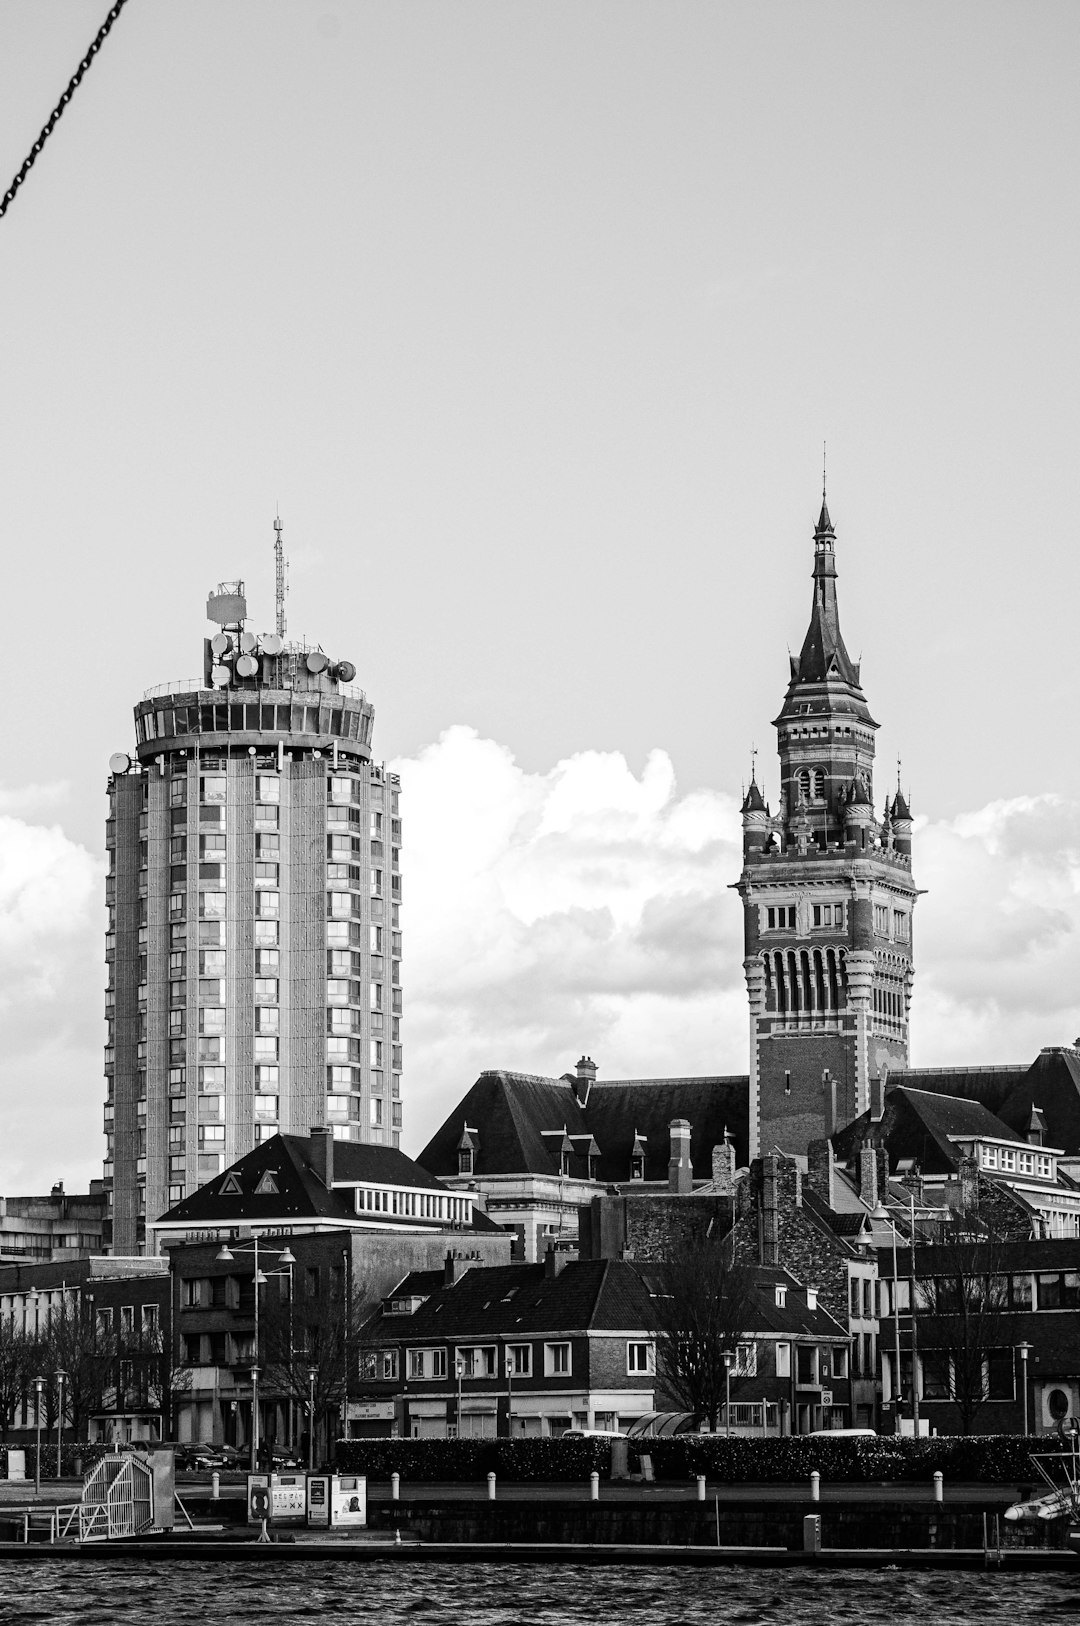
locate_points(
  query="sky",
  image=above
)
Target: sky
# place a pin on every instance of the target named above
(531, 320)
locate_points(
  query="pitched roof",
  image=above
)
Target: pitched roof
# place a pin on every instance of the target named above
(586, 1295)
(920, 1124)
(518, 1117)
(1051, 1083)
(275, 1181)
(990, 1085)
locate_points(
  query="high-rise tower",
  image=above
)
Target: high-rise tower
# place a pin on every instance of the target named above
(254, 944)
(827, 899)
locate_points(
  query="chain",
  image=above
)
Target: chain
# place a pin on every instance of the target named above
(54, 116)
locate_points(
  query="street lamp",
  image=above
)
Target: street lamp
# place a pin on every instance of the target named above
(727, 1392)
(312, 1375)
(60, 1376)
(1024, 1350)
(286, 1259)
(881, 1213)
(39, 1384)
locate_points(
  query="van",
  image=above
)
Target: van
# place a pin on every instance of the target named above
(592, 1434)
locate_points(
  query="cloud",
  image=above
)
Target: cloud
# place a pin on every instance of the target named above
(586, 908)
(51, 1007)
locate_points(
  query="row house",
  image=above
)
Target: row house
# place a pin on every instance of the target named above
(520, 1350)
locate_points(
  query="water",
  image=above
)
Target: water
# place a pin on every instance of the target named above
(286, 1594)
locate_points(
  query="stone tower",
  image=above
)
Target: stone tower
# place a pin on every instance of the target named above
(827, 899)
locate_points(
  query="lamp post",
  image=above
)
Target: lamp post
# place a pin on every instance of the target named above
(60, 1376)
(39, 1384)
(286, 1260)
(312, 1375)
(459, 1369)
(727, 1392)
(1024, 1350)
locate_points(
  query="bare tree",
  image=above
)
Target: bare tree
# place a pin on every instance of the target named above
(20, 1363)
(962, 1305)
(310, 1349)
(702, 1302)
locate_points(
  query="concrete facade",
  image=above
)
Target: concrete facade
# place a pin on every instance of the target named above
(253, 939)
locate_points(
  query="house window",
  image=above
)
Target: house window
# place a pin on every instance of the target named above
(901, 927)
(745, 1361)
(557, 1360)
(465, 1160)
(519, 1360)
(936, 1383)
(641, 1358)
(839, 1362)
(881, 919)
(998, 1374)
(781, 919)
(478, 1362)
(806, 1365)
(783, 1360)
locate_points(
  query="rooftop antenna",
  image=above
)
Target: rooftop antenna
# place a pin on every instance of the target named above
(279, 580)
(824, 448)
(753, 763)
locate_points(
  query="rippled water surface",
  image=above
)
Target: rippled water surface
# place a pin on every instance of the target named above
(532, 1595)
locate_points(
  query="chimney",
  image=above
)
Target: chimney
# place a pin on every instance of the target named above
(584, 1079)
(770, 1228)
(821, 1171)
(969, 1184)
(553, 1262)
(680, 1169)
(723, 1167)
(828, 1084)
(868, 1174)
(449, 1274)
(877, 1097)
(321, 1153)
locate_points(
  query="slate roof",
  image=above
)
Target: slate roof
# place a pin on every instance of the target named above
(918, 1124)
(300, 1193)
(792, 1317)
(510, 1111)
(990, 1085)
(1051, 1083)
(508, 1300)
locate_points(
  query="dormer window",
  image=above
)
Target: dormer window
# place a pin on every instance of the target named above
(466, 1151)
(637, 1167)
(564, 1162)
(781, 1295)
(811, 1298)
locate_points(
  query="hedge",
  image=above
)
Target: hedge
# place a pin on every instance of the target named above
(975, 1459)
(80, 1451)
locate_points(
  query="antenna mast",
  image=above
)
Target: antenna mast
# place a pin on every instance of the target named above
(279, 580)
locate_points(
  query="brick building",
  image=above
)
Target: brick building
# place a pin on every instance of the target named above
(828, 898)
(527, 1349)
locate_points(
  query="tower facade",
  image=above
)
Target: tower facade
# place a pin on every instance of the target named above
(253, 938)
(828, 899)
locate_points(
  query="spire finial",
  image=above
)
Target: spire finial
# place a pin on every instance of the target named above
(753, 764)
(898, 770)
(279, 579)
(824, 449)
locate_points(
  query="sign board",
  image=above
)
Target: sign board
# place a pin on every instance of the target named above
(288, 1499)
(16, 1464)
(348, 1500)
(380, 1411)
(318, 1499)
(826, 1397)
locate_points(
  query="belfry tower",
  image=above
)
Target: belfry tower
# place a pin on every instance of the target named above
(827, 899)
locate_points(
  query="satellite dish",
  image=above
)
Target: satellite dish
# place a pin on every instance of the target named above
(247, 666)
(219, 676)
(346, 671)
(119, 762)
(247, 642)
(219, 643)
(271, 643)
(316, 661)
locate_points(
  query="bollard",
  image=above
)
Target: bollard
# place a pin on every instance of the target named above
(491, 1487)
(815, 1486)
(397, 1538)
(395, 1487)
(811, 1533)
(939, 1486)
(215, 1486)
(701, 1487)
(594, 1486)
